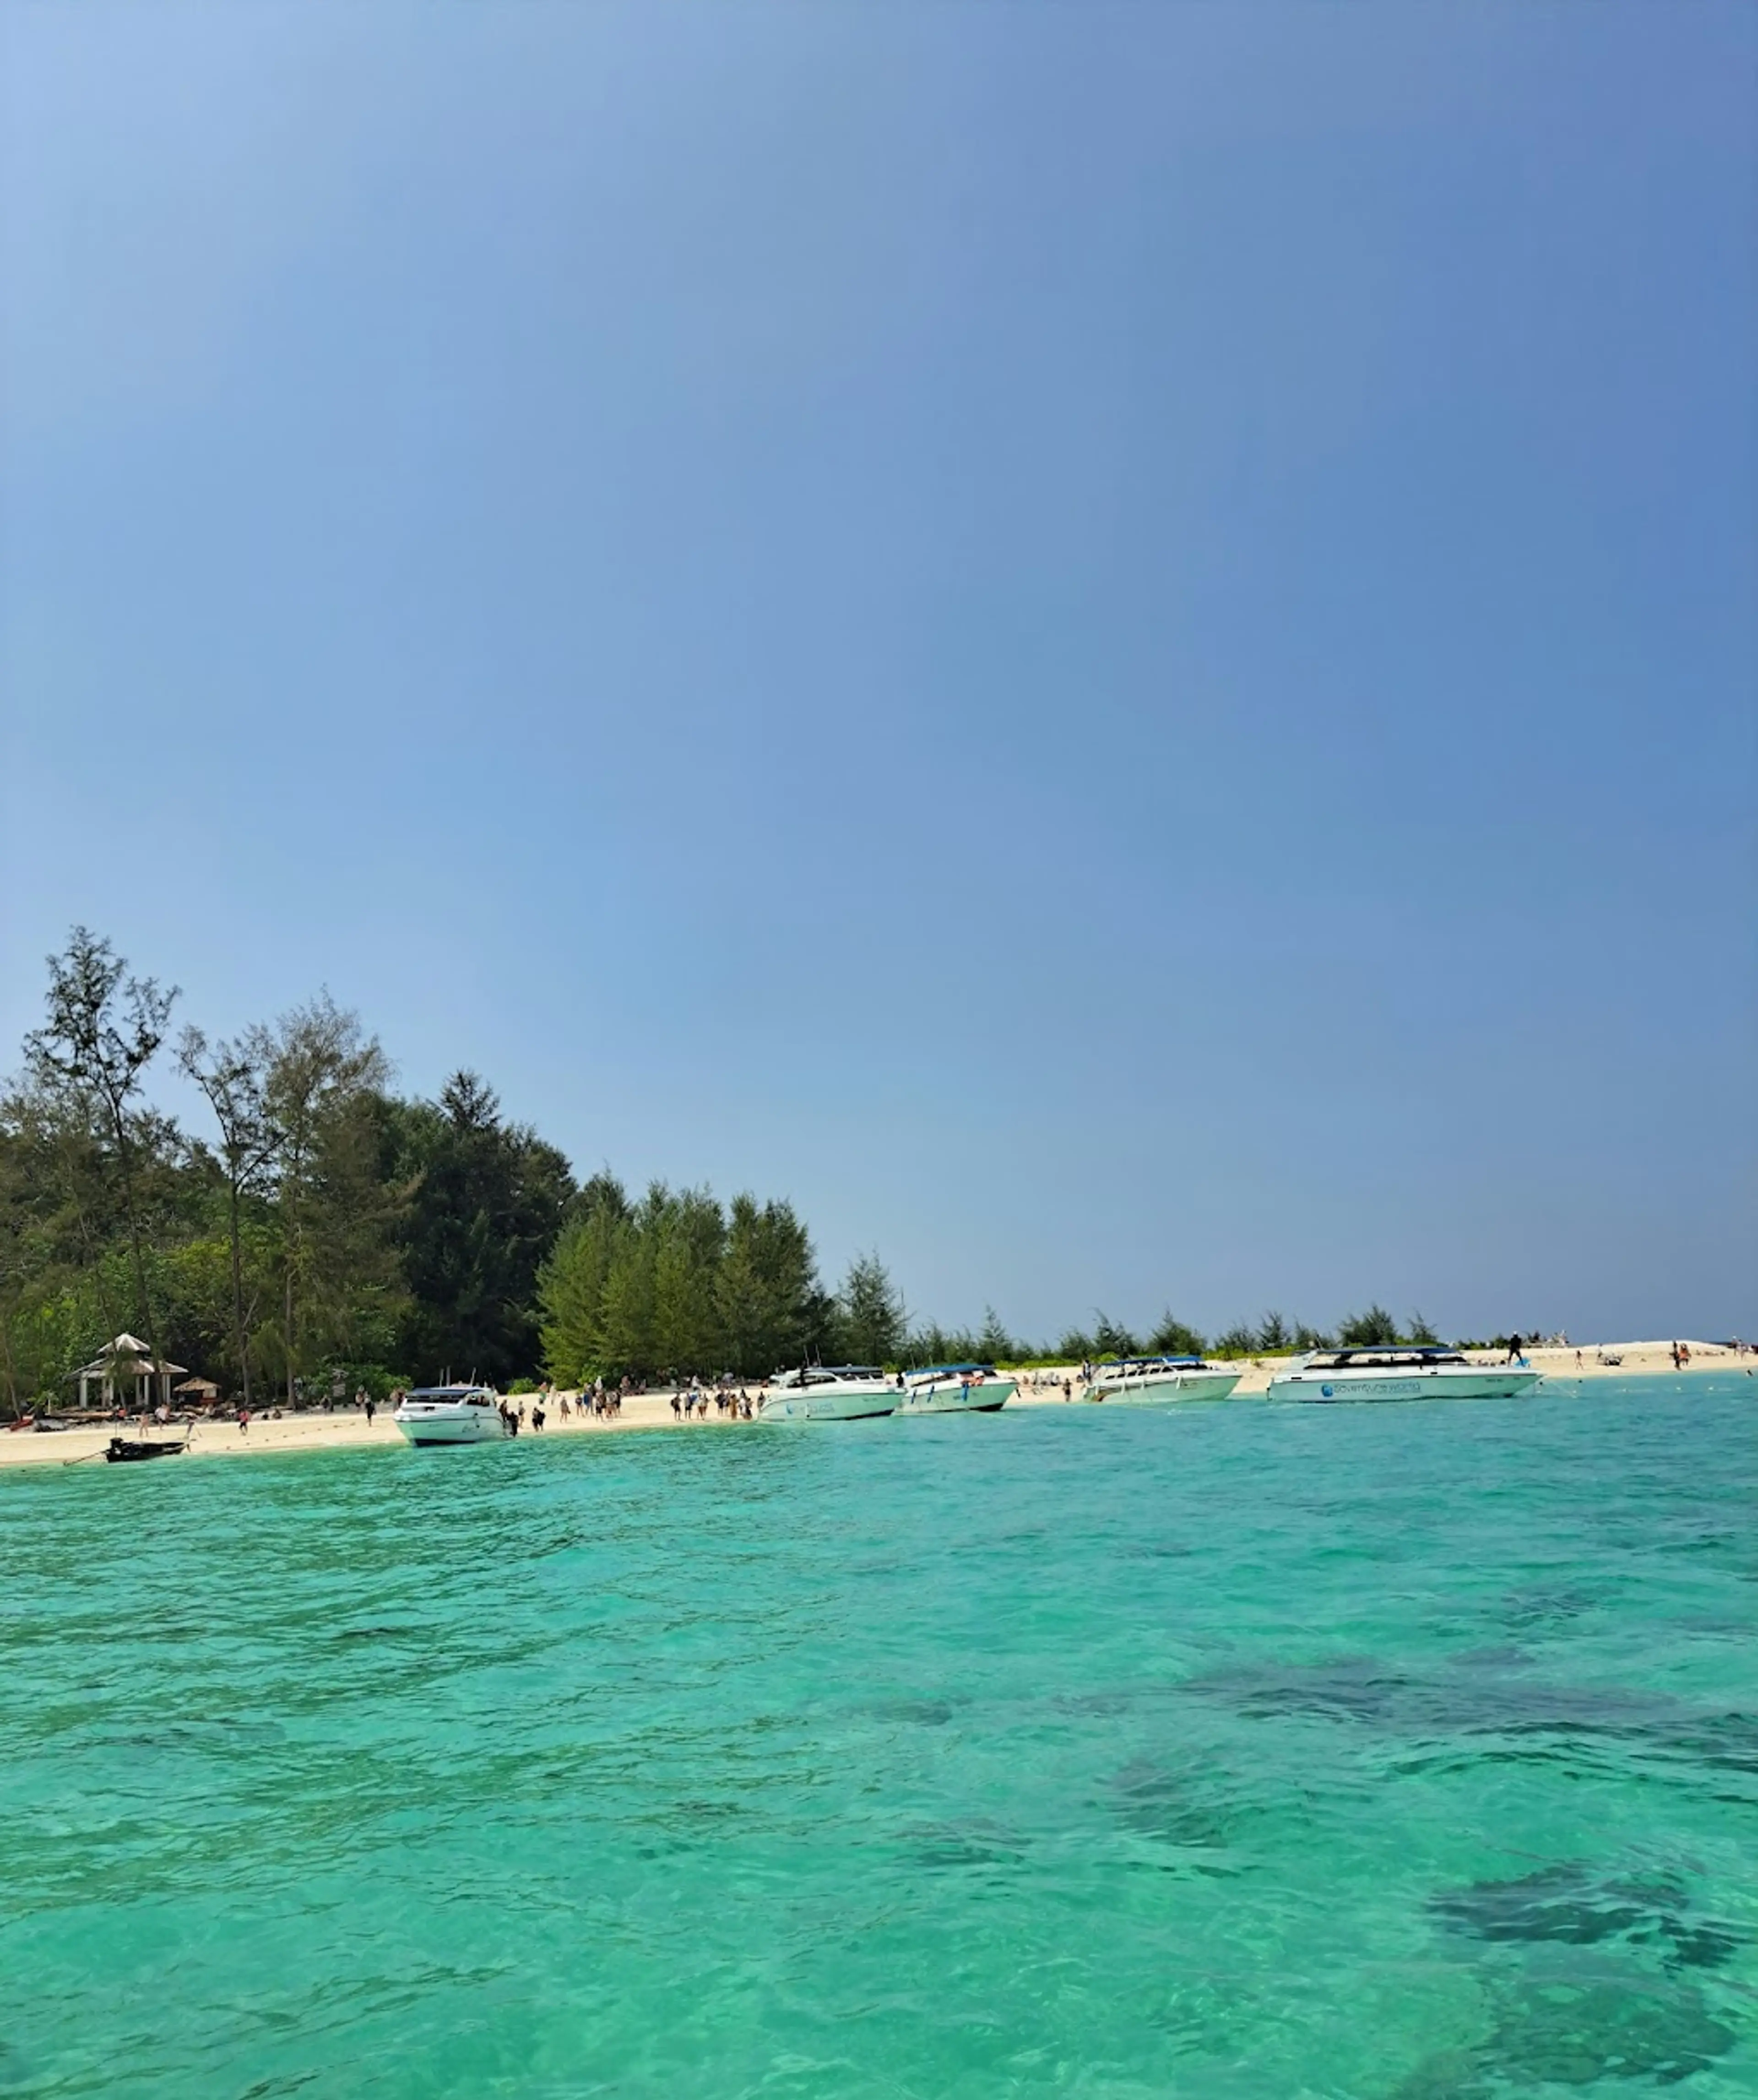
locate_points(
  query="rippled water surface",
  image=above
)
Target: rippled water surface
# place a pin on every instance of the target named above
(1230, 1750)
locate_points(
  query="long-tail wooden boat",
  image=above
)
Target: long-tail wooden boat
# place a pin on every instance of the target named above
(123, 1448)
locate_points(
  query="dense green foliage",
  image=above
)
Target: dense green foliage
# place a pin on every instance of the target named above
(674, 1283)
(325, 1233)
(322, 1232)
(485, 1199)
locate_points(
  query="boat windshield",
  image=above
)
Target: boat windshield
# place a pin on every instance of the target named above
(822, 1375)
(1383, 1358)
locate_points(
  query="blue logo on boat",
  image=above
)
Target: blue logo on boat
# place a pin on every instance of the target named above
(1329, 1390)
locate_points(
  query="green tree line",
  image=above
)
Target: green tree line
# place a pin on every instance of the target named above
(317, 1226)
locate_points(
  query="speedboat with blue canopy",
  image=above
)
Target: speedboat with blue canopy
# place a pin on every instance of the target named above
(956, 1389)
(1162, 1379)
(1396, 1372)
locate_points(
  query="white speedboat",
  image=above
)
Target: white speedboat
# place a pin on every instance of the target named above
(824, 1392)
(1161, 1378)
(956, 1389)
(451, 1414)
(1398, 1373)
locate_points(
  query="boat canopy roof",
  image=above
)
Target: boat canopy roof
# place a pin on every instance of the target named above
(1387, 1352)
(947, 1370)
(1147, 1363)
(822, 1374)
(443, 1391)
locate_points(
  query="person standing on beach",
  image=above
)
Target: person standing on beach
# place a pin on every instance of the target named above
(370, 1406)
(244, 1422)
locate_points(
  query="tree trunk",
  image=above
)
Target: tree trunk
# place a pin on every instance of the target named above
(238, 1299)
(134, 1233)
(94, 1266)
(11, 1381)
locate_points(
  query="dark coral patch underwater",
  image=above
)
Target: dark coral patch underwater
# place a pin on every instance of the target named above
(1573, 1905)
(1575, 2033)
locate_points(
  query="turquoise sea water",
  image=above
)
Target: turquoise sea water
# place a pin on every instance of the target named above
(1231, 1750)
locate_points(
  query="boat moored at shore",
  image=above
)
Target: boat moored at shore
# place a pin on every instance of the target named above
(1161, 1378)
(1391, 1373)
(828, 1392)
(956, 1389)
(125, 1450)
(451, 1414)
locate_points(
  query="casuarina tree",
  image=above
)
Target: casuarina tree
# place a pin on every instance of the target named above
(101, 1033)
(233, 1076)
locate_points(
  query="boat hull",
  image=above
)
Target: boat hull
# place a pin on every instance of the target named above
(124, 1452)
(1175, 1385)
(953, 1397)
(476, 1425)
(826, 1406)
(1342, 1388)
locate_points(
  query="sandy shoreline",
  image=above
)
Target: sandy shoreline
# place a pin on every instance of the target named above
(221, 1438)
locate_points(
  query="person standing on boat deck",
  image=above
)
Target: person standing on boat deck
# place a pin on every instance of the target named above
(1514, 1348)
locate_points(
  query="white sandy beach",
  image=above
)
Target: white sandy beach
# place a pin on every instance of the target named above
(223, 1438)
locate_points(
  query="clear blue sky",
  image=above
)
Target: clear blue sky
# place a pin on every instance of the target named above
(1115, 645)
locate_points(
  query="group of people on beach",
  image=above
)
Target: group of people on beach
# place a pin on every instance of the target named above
(602, 1402)
(691, 1403)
